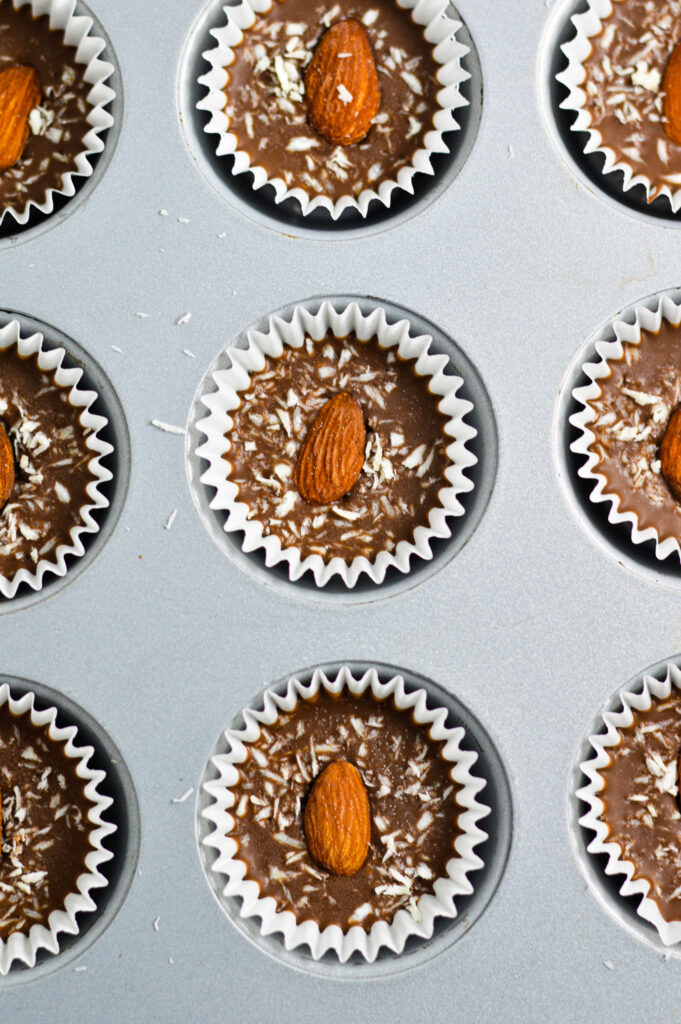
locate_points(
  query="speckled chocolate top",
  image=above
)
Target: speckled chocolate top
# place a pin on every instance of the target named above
(265, 96)
(636, 400)
(641, 800)
(59, 125)
(45, 831)
(623, 86)
(51, 459)
(413, 803)
(405, 455)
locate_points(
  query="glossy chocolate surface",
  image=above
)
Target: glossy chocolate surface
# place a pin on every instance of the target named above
(265, 96)
(45, 831)
(405, 455)
(412, 798)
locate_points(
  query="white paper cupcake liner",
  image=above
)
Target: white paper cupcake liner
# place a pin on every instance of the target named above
(77, 32)
(645, 320)
(440, 903)
(439, 29)
(51, 362)
(588, 25)
(24, 947)
(225, 399)
(669, 931)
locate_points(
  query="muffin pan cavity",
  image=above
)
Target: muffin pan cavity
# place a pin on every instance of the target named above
(606, 887)
(614, 538)
(493, 851)
(96, 49)
(123, 843)
(286, 216)
(586, 167)
(473, 500)
(117, 462)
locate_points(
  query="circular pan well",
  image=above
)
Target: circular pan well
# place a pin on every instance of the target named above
(286, 217)
(118, 462)
(614, 538)
(606, 887)
(494, 851)
(124, 843)
(587, 168)
(12, 233)
(484, 446)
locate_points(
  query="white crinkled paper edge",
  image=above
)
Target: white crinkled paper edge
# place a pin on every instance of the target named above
(50, 362)
(439, 30)
(76, 32)
(669, 931)
(226, 398)
(590, 24)
(25, 947)
(441, 903)
(647, 320)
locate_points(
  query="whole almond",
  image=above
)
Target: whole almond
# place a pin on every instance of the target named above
(341, 84)
(19, 93)
(332, 455)
(670, 454)
(6, 466)
(337, 819)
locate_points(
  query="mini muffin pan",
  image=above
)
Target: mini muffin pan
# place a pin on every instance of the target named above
(163, 631)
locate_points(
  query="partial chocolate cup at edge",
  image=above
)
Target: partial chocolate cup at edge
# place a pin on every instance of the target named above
(441, 903)
(76, 32)
(225, 398)
(602, 743)
(649, 320)
(50, 362)
(24, 947)
(588, 25)
(438, 28)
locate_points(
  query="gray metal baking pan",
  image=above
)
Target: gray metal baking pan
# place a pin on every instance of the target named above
(161, 640)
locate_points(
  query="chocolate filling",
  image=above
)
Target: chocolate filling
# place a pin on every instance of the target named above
(51, 458)
(265, 97)
(637, 398)
(641, 800)
(59, 127)
(45, 831)
(405, 455)
(412, 798)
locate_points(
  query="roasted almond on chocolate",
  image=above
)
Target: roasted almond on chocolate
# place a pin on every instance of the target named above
(670, 454)
(332, 455)
(341, 84)
(6, 466)
(337, 821)
(671, 87)
(20, 92)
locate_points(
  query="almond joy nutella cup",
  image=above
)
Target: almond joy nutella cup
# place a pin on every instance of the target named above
(256, 96)
(51, 462)
(626, 410)
(632, 798)
(402, 427)
(68, 116)
(423, 809)
(615, 76)
(53, 830)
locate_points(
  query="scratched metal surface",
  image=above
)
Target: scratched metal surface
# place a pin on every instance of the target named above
(532, 626)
